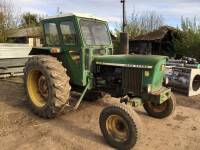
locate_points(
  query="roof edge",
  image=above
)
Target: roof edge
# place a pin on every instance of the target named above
(83, 15)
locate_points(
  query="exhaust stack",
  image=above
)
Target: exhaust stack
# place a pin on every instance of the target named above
(124, 37)
(124, 43)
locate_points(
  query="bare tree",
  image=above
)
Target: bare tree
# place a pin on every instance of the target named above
(8, 18)
(153, 20)
(143, 22)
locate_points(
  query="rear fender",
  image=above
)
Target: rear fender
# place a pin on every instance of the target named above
(40, 51)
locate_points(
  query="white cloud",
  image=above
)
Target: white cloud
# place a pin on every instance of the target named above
(110, 10)
(34, 11)
(113, 19)
(184, 9)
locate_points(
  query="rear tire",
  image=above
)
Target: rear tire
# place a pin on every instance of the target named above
(163, 110)
(120, 126)
(47, 86)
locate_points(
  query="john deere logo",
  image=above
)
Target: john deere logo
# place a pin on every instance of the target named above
(125, 65)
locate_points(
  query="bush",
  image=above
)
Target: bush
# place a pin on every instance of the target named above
(189, 43)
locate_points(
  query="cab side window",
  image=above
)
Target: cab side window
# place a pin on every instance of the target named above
(51, 34)
(68, 32)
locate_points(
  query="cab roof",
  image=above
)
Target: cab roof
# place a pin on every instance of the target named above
(82, 15)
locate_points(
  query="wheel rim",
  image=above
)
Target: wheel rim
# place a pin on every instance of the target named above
(117, 128)
(158, 107)
(43, 87)
(37, 88)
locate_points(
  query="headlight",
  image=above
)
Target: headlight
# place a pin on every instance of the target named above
(55, 50)
(146, 73)
(162, 68)
(149, 88)
(166, 81)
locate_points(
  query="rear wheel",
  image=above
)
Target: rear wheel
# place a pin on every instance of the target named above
(163, 110)
(47, 86)
(120, 126)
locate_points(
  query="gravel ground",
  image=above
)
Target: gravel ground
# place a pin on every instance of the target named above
(20, 129)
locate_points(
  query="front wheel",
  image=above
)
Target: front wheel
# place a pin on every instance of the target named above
(120, 126)
(163, 110)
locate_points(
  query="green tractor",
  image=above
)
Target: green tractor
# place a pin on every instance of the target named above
(78, 58)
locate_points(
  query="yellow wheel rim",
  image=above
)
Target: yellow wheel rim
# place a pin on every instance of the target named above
(117, 128)
(35, 84)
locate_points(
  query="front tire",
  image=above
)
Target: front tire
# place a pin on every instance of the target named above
(120, 126)
(163, 110)
(47, 86)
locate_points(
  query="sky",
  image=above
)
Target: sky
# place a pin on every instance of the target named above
(111, 10)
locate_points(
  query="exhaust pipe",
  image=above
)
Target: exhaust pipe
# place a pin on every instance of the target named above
(124, 43)
(124, 38)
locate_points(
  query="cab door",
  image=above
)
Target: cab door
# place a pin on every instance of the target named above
(71, 51)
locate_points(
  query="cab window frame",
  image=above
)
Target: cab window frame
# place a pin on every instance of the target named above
(72, 26)
(95, 21)
(45, 34)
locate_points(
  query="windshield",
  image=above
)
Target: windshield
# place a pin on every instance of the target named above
(95, 33)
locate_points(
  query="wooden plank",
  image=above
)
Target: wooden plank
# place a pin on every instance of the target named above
(17, 62)
(12, 67)
(10, 75)
(12, 70)
(14, 50)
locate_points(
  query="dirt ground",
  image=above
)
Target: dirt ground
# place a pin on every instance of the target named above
(20, 129)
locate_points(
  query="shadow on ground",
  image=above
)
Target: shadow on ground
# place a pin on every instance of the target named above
(191, 102)
(13, 95)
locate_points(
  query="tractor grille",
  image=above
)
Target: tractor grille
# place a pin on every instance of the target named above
(132, 80)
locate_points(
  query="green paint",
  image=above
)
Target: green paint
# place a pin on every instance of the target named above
(82, 95)
(156, 75)
(135, 102)
(78, 72)
(80, 58)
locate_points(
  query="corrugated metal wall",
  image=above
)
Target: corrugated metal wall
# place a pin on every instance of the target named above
(14, 50)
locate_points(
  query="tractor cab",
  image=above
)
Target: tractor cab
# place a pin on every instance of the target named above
(75, 39)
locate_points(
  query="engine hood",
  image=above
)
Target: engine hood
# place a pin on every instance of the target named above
(135, 61)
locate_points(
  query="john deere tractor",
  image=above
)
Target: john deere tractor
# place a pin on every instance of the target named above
(77, 57)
